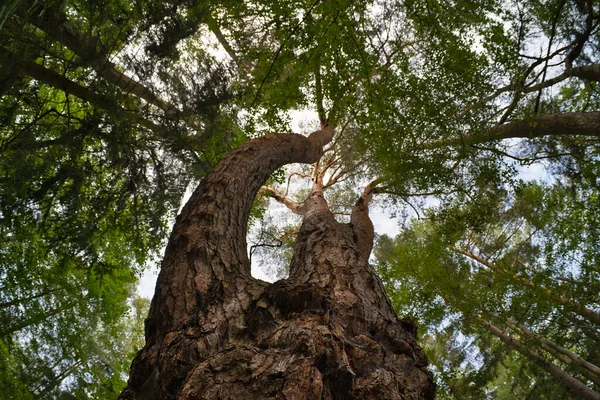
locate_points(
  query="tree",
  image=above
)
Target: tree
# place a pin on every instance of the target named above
(422, 130)
(80, 134)
(505, 264)
(75, 354)
(429, 94)
(94, 160)
(327, 331)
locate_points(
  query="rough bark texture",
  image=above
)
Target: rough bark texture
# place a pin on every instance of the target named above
(327, 332)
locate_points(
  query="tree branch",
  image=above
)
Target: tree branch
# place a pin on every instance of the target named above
(283, 199)
(362, 226)
(213, 25)
(58, 81)
(319, 95)
(565, 124)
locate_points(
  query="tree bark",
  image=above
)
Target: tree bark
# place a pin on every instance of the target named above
(326, 332)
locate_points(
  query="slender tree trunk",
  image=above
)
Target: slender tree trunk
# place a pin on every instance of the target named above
(21, 300)
(57, 380)
(326, 332)
(569, 304)
(591, 371)
(34, 320)
(58, 81)
(574, 384)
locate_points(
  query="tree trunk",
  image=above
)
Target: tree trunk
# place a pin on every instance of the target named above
(569, 304)
(54, 79)
(589, 370)
(326, 332)
(575, 385)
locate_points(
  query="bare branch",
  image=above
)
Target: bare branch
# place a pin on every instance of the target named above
(283, 199)
(287, 188)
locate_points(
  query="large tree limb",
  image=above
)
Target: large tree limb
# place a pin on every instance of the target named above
(362, 226)
(217, 212)
(565, 124)
(587, 72)
(205, 285)
(58, 81)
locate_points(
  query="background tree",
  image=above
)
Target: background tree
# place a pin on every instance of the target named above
(515, 279)
(94, 160)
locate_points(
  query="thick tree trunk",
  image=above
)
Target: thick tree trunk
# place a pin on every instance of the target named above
(327, 332)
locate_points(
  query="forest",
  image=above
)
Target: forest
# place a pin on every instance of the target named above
(474, 125)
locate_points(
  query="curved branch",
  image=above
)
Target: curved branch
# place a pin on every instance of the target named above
(212, 228)
(582, 38)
